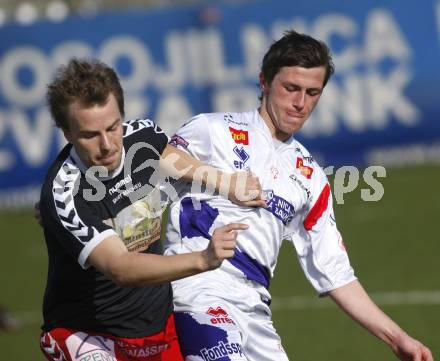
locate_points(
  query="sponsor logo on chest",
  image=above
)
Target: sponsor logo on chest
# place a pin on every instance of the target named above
(305, 170)
(242, 155)
(239, 136)
(279, 207)
(117, 186)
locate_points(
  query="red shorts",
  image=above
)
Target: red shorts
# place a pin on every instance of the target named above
(63, 344)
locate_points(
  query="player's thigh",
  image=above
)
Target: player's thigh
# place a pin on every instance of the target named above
(261, 341)
(210, 334)
(62, 344)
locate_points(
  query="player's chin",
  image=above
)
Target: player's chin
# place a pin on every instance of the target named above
(292, 127)
(111, 162)
(109, 166)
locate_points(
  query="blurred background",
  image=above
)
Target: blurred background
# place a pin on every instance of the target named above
(177, 58)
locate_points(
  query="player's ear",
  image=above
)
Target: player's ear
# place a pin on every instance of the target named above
(263, 84)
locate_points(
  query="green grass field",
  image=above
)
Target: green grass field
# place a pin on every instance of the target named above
(393, 244)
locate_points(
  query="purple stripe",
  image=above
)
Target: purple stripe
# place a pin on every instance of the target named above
(251, 268)
(197, 223)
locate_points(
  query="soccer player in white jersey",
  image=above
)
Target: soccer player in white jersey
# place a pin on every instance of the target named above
(224, 314)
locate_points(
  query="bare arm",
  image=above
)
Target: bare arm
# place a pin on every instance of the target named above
(353, 299)
(138, 269)
(241, 187)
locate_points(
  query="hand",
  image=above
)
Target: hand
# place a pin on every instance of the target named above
(245, 190)
(37, 214)
(408, 349)
(354, 300)
(222, 245)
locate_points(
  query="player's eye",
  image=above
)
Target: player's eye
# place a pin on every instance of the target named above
(88, 135)
(313, 92)
(114, 127)
(291, 88)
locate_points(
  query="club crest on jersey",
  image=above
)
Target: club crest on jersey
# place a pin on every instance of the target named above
(305, 170)
(239, 136)
(241, 153)
(219, 316)
(279, 207)
(178, 140)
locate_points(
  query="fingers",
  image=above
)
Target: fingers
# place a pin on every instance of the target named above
(422, 353)
(426, 354)
(255, 203)
(245, 187)
(224, 238)
(223, 243)
(232, 227)
(227, 249)
(413, 351)
(254, 186)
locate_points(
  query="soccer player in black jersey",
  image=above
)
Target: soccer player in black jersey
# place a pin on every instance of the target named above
(108, 295)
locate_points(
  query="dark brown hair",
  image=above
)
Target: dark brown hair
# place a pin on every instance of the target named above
(295, 49)
(88, 82)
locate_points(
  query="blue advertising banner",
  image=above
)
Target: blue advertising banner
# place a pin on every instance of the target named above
(379, 108)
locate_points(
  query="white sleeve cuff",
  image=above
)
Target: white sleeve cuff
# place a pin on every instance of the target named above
(90, 246)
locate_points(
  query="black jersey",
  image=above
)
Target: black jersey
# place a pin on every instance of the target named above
(78, 212)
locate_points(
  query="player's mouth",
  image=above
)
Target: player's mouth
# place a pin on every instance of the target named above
(291, 114)
(108, 159)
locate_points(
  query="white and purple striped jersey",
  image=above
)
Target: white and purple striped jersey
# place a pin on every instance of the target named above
(298, 197)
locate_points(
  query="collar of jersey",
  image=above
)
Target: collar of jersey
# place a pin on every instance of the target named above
(289, 143)
(83, 168)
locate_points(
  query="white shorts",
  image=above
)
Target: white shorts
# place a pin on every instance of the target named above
(220, 317)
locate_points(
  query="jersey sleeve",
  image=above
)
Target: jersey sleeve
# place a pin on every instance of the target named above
(194, 138)
(68, 219)
(318, 243)
(147, 131)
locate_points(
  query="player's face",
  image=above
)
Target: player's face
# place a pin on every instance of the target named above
(96, 133)
(290, 98)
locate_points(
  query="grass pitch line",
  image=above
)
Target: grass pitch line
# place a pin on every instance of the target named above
(409, 298)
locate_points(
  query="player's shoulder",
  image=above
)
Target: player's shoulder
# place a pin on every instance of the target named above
(241, 120)
(231, 119)
(133, 126)
(61, 177)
